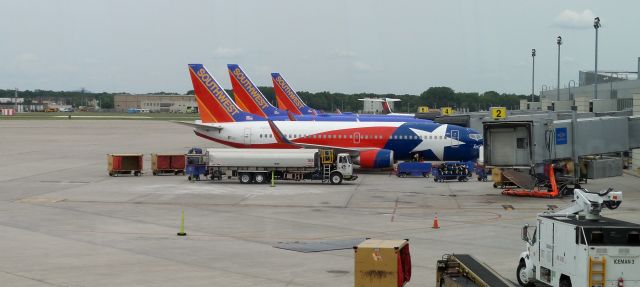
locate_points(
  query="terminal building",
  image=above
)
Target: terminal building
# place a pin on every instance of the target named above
(615, 93)
(155, 103)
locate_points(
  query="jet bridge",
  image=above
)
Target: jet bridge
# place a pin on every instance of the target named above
(529, 140)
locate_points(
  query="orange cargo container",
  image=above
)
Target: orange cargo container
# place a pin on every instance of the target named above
(167, 163)
(124, 164)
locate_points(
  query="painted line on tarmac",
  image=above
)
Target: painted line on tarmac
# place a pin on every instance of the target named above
(395, 208)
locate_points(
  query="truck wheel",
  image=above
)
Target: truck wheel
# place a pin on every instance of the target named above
(259, 178)
(245, 178)
(521, 274)
(335, 178)
(136, 173)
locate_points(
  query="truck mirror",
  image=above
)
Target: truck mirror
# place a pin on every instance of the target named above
(525, 233)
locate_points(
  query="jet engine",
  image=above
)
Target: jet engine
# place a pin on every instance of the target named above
(375, 158)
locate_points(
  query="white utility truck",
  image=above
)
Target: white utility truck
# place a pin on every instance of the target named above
(577, 247)
(263, 165)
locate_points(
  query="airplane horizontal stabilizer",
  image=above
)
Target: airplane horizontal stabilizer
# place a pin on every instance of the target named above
(199, 126)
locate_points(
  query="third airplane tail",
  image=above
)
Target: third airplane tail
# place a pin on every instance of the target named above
(288, 98)
(249, 97)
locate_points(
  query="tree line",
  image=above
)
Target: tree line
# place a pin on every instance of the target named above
(434, 97)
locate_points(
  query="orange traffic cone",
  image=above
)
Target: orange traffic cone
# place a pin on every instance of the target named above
(435, 222)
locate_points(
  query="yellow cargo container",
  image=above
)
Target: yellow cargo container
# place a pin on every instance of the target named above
(382, 263)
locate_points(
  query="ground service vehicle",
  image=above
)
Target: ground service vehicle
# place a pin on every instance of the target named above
(575, 246)
(260, 165)
(196, 164)
(451, 171)
(463, 270)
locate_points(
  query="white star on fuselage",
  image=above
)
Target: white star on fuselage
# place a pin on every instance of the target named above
(436, 145)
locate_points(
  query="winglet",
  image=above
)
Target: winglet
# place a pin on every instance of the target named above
(278, 135)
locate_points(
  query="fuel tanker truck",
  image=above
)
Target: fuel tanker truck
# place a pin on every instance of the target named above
(263, 165)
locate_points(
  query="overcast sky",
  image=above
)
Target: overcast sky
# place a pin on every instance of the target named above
(143, 46)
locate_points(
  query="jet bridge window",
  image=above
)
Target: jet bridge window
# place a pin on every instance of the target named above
(521, 143)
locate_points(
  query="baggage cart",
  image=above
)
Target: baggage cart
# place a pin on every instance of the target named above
(413, 169)
(118, 164)
(167, 164)
(451, 171)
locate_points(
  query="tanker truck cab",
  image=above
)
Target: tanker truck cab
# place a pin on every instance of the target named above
(343, 169)
(575, 246)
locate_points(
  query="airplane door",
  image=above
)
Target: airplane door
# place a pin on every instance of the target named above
(455, 137)
(247, 136)
(356, 137)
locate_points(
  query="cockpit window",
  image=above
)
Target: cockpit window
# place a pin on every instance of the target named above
(477, 137)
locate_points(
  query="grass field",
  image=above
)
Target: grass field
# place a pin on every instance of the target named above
(101, 116)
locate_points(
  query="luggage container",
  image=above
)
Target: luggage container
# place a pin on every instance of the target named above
(167, 163)
(413, 169)
(381, 263)
(124, 164)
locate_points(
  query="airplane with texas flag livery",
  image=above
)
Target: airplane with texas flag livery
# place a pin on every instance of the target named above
(371, 144)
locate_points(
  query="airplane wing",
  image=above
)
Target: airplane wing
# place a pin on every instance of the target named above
(199, 126)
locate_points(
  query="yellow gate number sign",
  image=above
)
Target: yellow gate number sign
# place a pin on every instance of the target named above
(423, 109)
(446, 111)
(499, 113)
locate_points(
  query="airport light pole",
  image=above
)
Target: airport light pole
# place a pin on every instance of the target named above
(533, 72)
(596, 25)
(559, 42)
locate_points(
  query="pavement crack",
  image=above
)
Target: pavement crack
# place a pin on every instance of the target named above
(30, 278)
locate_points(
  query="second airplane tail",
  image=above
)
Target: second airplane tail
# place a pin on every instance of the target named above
(214, 104)
(249, 97)
(288, 98)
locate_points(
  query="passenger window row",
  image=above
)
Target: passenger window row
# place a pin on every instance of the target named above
(375, 137)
